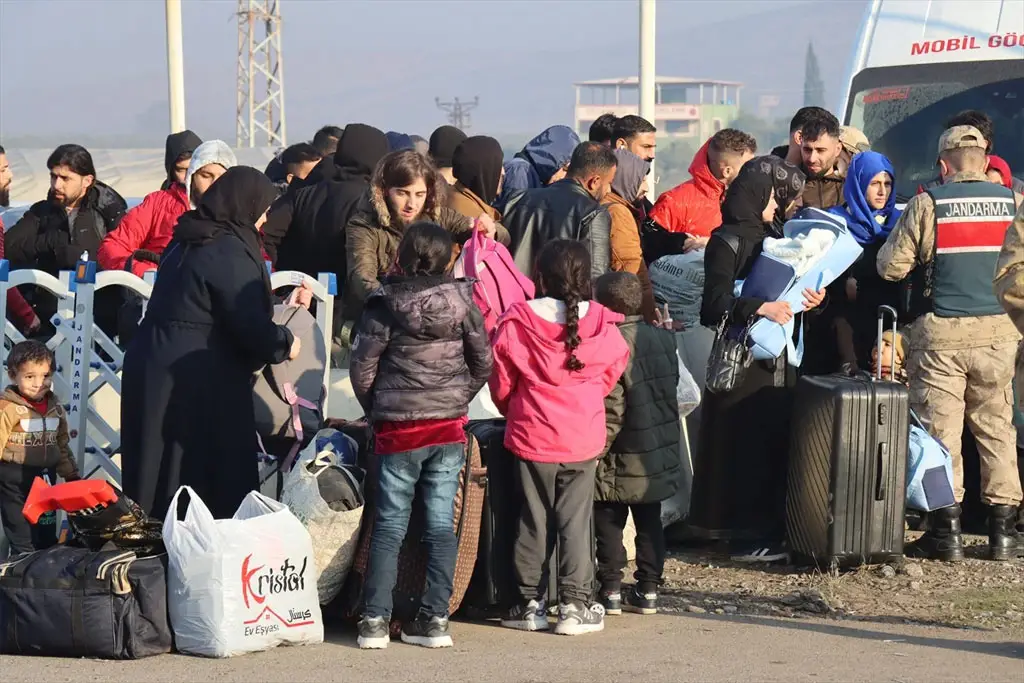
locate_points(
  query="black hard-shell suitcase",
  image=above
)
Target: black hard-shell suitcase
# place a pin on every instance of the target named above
(73, 602)
(494, 586)
(847, 469)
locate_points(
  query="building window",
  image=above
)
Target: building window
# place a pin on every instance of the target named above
(678, 128)
(583, 128)
(716, 124)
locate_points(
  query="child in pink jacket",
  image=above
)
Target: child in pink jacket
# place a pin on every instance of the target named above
(555, 360)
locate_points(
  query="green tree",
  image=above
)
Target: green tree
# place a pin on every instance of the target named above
(814, 87)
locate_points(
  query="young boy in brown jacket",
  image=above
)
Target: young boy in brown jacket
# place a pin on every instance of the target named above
(33, 437)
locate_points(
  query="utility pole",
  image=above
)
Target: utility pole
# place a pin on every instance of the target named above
(648, 76)
(259, 116)
(175, 66)
(458, 112)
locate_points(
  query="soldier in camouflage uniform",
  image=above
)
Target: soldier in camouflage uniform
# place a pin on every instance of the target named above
(962, 343)
(1009, 286)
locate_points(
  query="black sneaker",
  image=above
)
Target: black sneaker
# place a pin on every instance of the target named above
(639, 603)
(374, 633)
(575, 619)
(761, 552)
(432, 632)
(529, 617)
(611, 601)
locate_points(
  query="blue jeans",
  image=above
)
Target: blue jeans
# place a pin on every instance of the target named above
(434, 470)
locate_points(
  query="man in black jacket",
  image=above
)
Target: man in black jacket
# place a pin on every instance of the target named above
(53, 234)
(568, 209)
(305, 228)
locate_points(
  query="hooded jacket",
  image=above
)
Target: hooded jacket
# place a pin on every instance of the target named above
(555, 415)
(373, 235)
(694, 207)
(305, 229)
(178, 145)
(540, 159)
(420, 351)
(642, 463)
(624, 237)
(563, 210)
(148, 228)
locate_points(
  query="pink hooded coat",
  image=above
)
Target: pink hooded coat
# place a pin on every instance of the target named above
(555, 415)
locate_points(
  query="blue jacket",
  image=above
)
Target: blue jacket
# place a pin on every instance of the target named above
(540, 159)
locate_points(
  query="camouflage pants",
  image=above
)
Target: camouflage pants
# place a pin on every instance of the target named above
(947, 387)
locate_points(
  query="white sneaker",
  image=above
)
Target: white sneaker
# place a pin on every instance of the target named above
(532, 616)
(575, 620)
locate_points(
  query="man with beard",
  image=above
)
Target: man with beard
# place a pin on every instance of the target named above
(568, 209)
(637, 135)
(821, 159)
(17, 307)
(76, 215)
(405, 189)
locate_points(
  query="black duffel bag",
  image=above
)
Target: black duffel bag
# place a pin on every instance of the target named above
(74, 602)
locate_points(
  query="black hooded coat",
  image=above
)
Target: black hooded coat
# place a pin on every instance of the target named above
(186, 401)
(305, 229)
(739, 469)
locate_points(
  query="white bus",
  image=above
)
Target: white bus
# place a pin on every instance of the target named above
(919, 62)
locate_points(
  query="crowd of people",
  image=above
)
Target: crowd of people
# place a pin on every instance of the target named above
(585, 373)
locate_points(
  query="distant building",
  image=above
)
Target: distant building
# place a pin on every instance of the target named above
(684, 107)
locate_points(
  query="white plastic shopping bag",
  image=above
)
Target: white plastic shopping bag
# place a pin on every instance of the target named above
(335, 533)
(243, 584)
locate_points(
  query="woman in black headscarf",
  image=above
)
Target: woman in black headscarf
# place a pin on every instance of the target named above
(739, 486)
(478, 171)
(186, 401)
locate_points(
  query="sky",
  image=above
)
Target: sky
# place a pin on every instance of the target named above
(103, 72)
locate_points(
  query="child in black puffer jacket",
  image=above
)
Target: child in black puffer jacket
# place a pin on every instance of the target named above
(419, 356)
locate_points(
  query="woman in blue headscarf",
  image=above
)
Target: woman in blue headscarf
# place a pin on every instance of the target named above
(871, 214)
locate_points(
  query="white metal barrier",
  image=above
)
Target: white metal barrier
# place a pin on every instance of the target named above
(88, 360)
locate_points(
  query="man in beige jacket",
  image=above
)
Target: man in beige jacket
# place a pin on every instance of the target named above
(1009, 287)
(962, 343)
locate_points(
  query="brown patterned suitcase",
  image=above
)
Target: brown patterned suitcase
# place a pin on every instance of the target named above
(412, 559)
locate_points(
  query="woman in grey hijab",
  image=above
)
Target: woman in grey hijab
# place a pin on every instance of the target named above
(629, 187)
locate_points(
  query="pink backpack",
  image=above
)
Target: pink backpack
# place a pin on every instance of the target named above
(499, 284)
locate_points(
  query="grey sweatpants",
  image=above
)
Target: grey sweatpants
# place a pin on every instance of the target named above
(558, 505)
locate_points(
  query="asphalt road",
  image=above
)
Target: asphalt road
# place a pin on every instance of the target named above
(670, 648)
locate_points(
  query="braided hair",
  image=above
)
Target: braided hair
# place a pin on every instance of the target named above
(563, 272)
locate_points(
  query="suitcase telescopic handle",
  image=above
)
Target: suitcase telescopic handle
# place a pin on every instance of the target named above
(882, 311)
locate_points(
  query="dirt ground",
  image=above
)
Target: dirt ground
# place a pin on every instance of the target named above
(976, 593)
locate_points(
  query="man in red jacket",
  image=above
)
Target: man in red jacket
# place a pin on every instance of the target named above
(17, 307)
(695, 207)
(146, 230)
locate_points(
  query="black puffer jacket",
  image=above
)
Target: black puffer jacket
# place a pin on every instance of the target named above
(643, 463)
(563, 210)
(44, 239)
(420, 351)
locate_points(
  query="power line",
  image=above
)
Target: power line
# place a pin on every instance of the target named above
(458, 111)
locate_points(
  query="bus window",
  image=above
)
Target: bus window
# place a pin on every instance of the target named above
(903, 111)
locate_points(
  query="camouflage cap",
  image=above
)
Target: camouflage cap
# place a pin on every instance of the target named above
(854, 140)
(959, 137)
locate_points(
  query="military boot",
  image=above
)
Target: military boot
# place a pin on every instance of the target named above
(943, 540)
(1003, 541)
